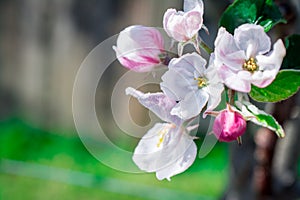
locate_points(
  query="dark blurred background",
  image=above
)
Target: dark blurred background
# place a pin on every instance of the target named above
(42, 45)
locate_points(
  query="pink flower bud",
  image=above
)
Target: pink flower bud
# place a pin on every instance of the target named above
(229, 125)
(140, 48)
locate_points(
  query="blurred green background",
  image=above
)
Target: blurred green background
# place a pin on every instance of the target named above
(36, 164)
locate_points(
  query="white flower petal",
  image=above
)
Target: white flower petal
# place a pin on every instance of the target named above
(175, 25)
(252, 39)
(215, 96)
(138, 48)
(191, 105)
(193, 23)
(170, 12)
(188, 151)
(158, 103)
(233, 81)
(176, 83)
(179, 79)
(196, 61)
(235, 60)
(245, 75)
(189, 62)
(180, 83)
(252, 42)
(189, 5)
(263, 79)
(225, 42)
(226, 51)
(269, 65)
(166, 150)
(274, 59)
(149, 151)
(183, 26)
(146, 41)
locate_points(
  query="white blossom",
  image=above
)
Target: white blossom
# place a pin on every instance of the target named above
(245, 57)
(167, 148)
(192, 85)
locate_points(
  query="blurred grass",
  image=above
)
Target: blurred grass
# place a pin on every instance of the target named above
(39, 165)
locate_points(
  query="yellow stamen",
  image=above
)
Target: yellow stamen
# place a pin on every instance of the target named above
(162, 134)
(202, 82)
(250, 65)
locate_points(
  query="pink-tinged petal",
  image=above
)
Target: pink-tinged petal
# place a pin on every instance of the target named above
(226, 51)
(245, 75)
(183, 26)
(274, 59)
(176, 26)
(138, 48)
(149, 59)
(269, 65)
(146, 37)
(138, 66)
(140, 39)
(225, 42)
(170, 12)
(196, 5)
(233, 81)
(263, 79)
(249, 46)
(234, 60)
(229, 125)
(252, 39)
(158, 103)
(193, 23)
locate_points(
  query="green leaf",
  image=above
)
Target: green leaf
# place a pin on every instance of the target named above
(270, 15)
(292, 58)
(240, 12)
(263, 12)
(260, 117)
(269, 121)
(285, 85)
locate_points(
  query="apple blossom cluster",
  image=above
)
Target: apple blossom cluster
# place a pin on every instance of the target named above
(192, 85)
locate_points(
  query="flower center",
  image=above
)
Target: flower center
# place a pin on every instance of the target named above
(201, 82)
(250, 65)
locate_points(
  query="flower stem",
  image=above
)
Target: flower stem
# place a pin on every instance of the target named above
(239, 140)
(231, 94)
(204, 46)
(165, 58)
